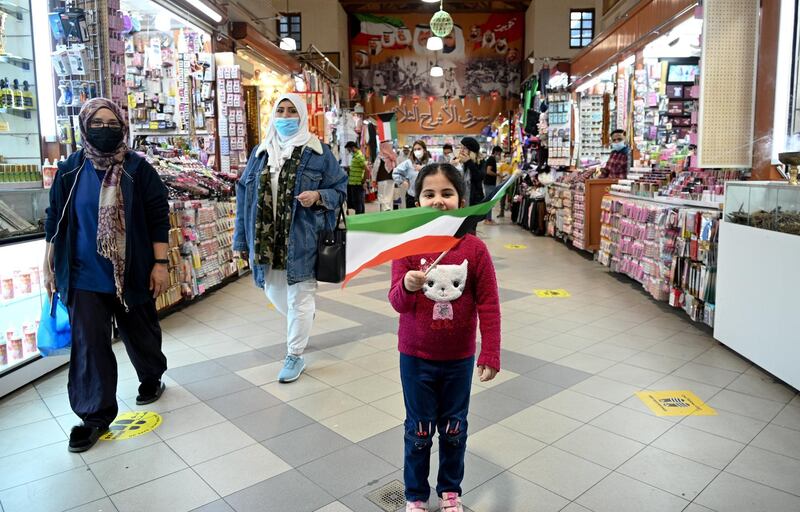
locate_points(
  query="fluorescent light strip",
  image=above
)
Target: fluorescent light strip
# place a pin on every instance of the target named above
(206, 9)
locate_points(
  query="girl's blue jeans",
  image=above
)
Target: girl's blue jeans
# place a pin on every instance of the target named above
(436, 395)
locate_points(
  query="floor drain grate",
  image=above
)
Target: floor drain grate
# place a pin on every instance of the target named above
(390, 497)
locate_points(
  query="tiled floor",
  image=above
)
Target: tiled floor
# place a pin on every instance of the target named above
(559, 429)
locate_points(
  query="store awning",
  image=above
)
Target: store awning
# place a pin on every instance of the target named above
(246, 35)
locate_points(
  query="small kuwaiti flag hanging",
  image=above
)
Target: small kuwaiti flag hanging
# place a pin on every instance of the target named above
(386, 126)
(377, 238)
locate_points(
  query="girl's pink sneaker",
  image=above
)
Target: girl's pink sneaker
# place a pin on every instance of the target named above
(450, 502)
(416, 506)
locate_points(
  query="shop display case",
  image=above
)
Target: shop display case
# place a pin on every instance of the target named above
(22, 198)
(756, 302)
(21, 296)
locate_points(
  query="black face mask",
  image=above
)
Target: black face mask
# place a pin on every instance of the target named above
(104, 139)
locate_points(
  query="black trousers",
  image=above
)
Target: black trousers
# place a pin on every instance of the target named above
(355, 198)
(93, 368)
(411, 201)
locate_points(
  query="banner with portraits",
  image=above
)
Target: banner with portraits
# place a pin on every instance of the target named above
(481, 62)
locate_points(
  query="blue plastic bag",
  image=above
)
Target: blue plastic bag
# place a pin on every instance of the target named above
(54, 336)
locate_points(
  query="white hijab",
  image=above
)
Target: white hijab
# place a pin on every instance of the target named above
(278, 148)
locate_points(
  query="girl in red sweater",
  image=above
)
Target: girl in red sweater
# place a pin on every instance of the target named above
(439, 314)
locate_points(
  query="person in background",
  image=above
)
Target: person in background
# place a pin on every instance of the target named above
(505, 170)
(382, 170)
(440, 308)
(406, 172)
(490, 180)
(404, 155)
(469, 159)
(288, 194)
(619, 162)
(447, 154)
(358, 176)
(107, 231)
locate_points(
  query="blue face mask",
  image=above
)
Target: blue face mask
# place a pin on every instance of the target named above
(618, 146)
(287, 126)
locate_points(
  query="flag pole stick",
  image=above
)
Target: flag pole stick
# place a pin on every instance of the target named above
(436, 261)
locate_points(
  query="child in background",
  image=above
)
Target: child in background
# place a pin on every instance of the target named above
(439, 313)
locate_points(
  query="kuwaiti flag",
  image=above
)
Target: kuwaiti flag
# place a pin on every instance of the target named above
(386, 126)
(377, 238)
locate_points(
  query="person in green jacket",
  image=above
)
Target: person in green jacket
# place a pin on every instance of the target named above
(358, 176)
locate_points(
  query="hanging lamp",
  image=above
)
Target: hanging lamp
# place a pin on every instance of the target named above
(288, 43)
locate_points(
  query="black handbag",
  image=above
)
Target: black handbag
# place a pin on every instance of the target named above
(331, 257)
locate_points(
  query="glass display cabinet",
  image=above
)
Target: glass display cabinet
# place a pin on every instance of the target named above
(774, 206)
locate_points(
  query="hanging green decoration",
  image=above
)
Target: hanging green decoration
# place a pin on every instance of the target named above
(441, 24)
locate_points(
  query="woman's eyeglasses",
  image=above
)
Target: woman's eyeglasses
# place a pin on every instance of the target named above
(114, 125)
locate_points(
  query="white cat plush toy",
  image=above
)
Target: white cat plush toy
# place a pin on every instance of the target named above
(443, 285)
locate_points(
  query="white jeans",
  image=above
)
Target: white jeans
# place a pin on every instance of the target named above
(296, 303)
(386, 195)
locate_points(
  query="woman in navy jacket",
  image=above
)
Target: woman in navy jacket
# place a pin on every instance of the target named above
(288, 194)
(107, 240)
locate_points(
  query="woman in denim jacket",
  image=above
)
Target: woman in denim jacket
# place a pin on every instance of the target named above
(289, 193)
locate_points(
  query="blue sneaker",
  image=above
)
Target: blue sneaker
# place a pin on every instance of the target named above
(293, 366)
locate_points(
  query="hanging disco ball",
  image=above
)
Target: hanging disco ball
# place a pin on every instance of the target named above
(441, 24)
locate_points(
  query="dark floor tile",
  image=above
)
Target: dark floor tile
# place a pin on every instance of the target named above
(506, 294)
(388, 445)
(559, 375)
(306, 444)
(244, 360)
(214, 506)
(272, 422)
(275, 352)
(218, 386)
(527, 390)
(519, 363)
(243, 402)
(290, 491)
(361, 332)
(476, 472)
(495, 406)
(195, 372)
(342, 472)
(378, 294)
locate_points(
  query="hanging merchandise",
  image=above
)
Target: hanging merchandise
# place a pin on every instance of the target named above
(232, 122)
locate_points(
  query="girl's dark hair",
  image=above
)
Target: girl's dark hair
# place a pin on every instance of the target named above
(425, 157)
(452, 174)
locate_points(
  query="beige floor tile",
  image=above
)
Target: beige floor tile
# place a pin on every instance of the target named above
(789, 417)
(669, 472)
(262, 374)
(325, 404)
(545, 351)
(644, 428)
(371, 388)
(764, 387)
(304, 386)
(727, 424)
(746, 405)
(735, 494)
(605, 389)
(37, 464)
(393, 405)
(340, 373)
(24, 413)
(586, 362)
(187, 419)
(576, 405)
(352, 350)
(53, 494)
(672, 382)
(632, 375)
(725, 358)
(209, 443)
(677, 350)
(599, 446)
(655, 362)
(241, 469)
(361, 423)
(561, 472)
(610, 351)
(174, 397)
(699, 446)
(541, 424)
(179, 492)
(137, 467)
(502, 446)
(379, 361)
(779, 440)
(619, 493)
(223, 349)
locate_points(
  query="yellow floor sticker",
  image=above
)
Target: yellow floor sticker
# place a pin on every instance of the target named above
(132, 424)
(550, 294)
(675, 403)
(515, 246)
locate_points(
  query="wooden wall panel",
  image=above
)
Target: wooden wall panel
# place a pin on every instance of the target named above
(634, 29)
(765, 91)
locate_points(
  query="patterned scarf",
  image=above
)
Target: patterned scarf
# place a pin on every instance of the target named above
(272, 232)
(111, 212)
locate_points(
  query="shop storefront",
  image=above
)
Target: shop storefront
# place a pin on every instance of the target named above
(657, 81)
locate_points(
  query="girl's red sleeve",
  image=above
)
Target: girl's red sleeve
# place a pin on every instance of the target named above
(487, 300)
(401, 299)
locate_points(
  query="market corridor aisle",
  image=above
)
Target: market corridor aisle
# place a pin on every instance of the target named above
(559, 429)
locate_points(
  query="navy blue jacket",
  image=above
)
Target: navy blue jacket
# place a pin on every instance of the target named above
(146, 222)
(318, 170)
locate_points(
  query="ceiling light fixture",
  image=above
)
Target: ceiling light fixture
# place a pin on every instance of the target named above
(288, 44)
(430, 1)
(206, 9)
(441, 22)
(437, 71)
(435, 43)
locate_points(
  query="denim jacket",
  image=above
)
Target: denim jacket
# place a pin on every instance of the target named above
(318, 170)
